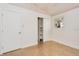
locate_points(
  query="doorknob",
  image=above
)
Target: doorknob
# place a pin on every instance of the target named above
(19, 32)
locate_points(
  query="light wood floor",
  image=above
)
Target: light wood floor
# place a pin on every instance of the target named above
(49, 48)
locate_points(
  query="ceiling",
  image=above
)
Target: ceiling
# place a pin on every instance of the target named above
(48, 8)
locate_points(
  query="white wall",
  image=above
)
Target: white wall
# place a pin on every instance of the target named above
(30, 31)
(28, 26)
(69, 34)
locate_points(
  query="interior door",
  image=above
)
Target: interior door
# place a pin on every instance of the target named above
(0, 30)
(12, 30)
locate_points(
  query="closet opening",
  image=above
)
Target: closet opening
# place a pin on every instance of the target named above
(40, 30)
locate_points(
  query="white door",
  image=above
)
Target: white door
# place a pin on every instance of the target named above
(12, 30)
(0, 30)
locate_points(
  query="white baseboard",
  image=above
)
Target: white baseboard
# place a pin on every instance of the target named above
(64, 43)
(35, 43)
(28, 45)
(32, 44)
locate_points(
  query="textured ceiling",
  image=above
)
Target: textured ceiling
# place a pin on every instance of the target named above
(48, 8)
